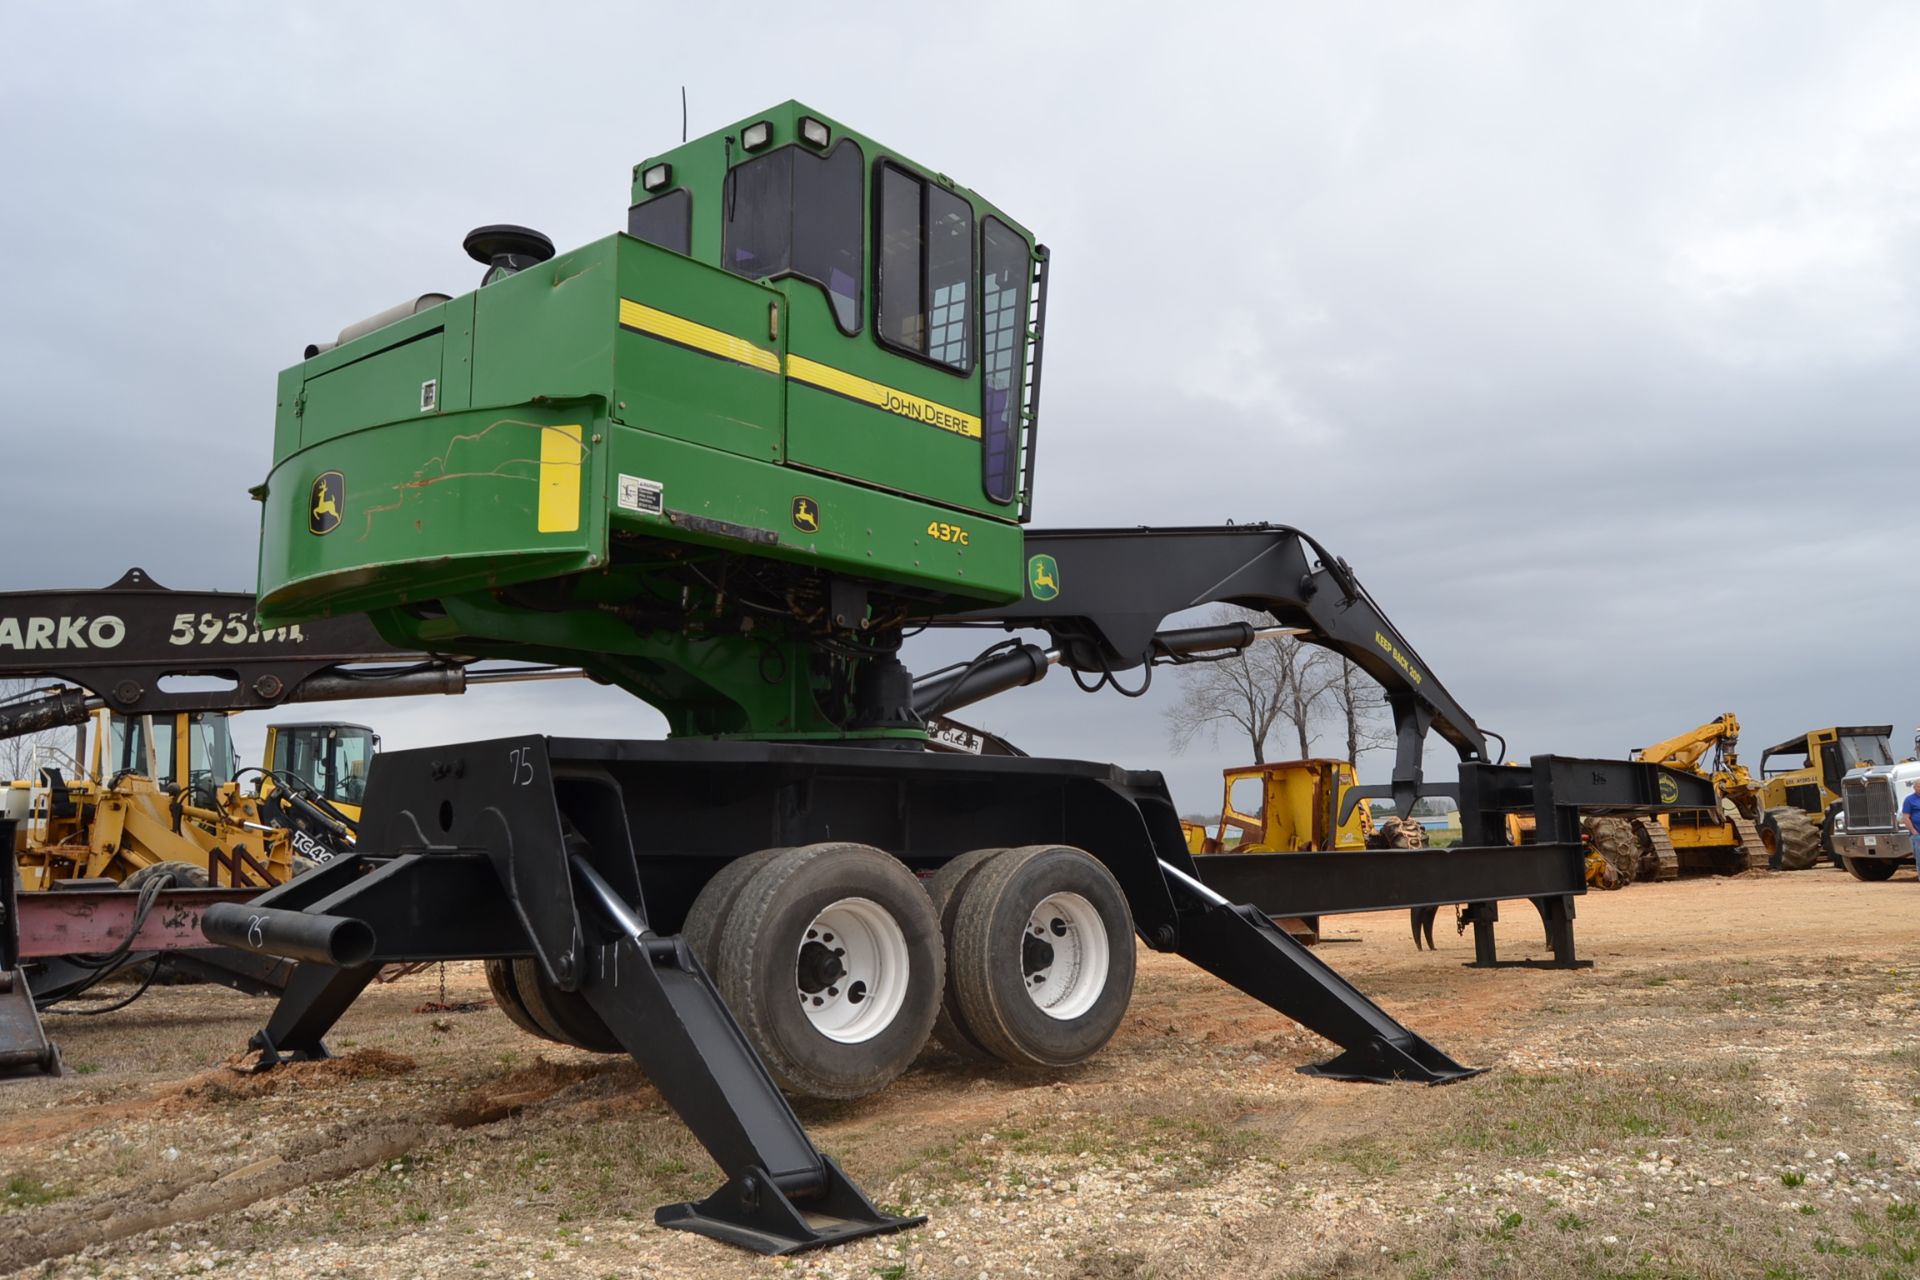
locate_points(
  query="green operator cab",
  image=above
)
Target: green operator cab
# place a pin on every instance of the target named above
(722, 459)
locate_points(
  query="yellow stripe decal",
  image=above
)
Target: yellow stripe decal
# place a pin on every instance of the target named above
(916, 408)
(700, 337)
(727, 346)
(560, 459)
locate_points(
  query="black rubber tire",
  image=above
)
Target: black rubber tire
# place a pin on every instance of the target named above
(988, 970)
(1398, 833)
(761, 937)
(945, 888)
(1613, 839)
(715, 900)
(1872, 868)
(506, 994)
(1793, 842)
(565, 1014)
(184, 875)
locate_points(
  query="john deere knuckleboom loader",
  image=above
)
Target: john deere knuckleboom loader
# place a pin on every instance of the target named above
(726, 461)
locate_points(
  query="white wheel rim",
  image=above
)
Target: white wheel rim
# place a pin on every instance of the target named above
(1064, 956)
(851, 970)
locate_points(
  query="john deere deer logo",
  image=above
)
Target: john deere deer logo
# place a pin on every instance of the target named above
(806, 515)
(323, 509)
(1043, 578)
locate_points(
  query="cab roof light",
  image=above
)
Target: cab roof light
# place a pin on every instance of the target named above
(757, 135)
(815, 133)
(656, 177)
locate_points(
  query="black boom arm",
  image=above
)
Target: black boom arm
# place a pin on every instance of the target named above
(118, 644)
(1103, 595)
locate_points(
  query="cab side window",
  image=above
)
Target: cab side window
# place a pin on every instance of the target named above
(1006, 263)
(925, 269)
(665, 220)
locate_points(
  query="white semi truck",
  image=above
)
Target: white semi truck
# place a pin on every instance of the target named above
(1870, 838)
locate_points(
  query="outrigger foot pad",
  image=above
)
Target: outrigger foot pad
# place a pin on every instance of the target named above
(753, 1212)
(1382, 1060)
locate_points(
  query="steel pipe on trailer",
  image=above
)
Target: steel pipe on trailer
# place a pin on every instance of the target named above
(341, 942)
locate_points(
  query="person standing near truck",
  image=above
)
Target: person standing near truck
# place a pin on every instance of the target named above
(1910, 814)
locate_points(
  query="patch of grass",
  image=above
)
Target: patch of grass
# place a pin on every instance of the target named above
(1523, 1114)
(898, 1271)
(25, 1192)
(1793, 1178)
(1368, 1159)
(1097, 1263)
(1505, 1226)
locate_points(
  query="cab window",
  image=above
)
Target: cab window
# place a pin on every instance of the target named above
(209, 750)
(1005, 266)
(793, 212)
(130, 747)
(925, 269)
(665, 220)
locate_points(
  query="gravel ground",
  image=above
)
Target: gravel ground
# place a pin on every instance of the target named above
(1733, 1091)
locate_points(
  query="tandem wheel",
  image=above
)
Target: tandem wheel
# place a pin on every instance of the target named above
(1040, 956)
(830, 957)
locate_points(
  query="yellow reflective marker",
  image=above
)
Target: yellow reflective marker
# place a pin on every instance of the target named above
(560, 458)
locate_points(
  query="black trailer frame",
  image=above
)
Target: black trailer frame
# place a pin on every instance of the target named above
(587, 855)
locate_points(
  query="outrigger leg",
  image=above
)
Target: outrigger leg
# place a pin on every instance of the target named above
(1245, 949)
(782, 1195)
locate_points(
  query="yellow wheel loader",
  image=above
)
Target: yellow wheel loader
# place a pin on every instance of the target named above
(1797, 803)
(162, 790)
(1285, 807)
(1288, 807)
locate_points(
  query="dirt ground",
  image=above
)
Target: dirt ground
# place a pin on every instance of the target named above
(1734, 1090)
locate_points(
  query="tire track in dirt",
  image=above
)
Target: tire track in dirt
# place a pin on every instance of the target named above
(76, 1224)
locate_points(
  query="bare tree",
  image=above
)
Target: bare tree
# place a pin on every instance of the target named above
(1359, 700)
(20, 753)
(1276, 681)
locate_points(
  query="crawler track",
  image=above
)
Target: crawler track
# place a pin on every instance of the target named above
(1658, 859)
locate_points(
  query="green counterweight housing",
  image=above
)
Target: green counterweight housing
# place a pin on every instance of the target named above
(722, 459)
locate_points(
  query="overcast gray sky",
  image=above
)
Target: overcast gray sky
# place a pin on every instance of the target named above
(1586, 333)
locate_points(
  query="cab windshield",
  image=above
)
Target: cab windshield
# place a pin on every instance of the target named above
(332, 759)
(1859, 749)
(209, 754)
